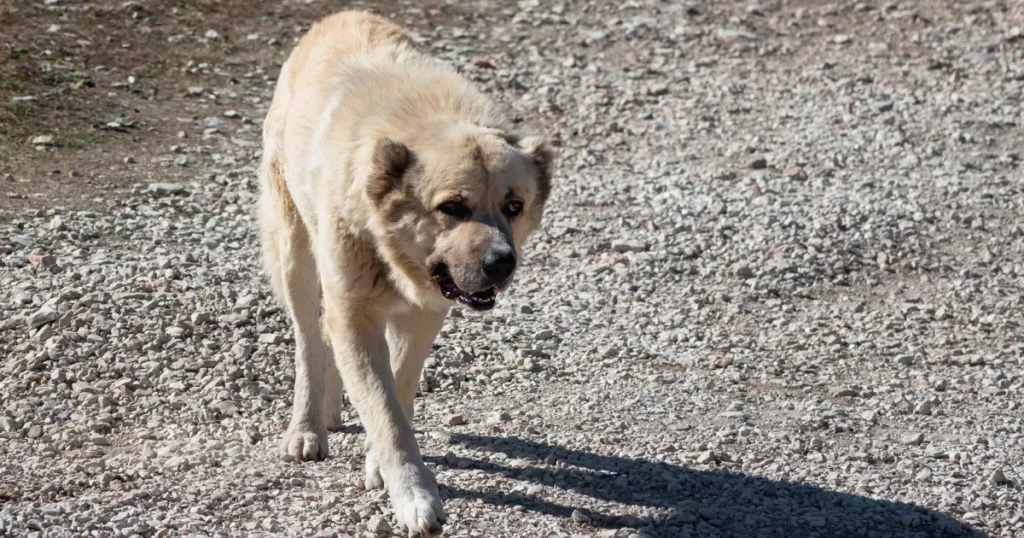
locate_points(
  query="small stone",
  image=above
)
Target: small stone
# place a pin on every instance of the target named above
(912, 439)
(443, 437)
(43, 316)
(534, 489)
(580, 517)
(43, 260)
(759, 163)
(9, 425)
(228, 407)
(455, 420)
(166, 189)
(270, 338)
(924, 408)
(795, 174)
(246, 301)
(544, 335)
(378, 525)
(502, 376)
(845, 393)
(629, 520)
(195, 91)
(242, 349)
(199, 318)
(706, 457)
(44, 140)
(451, 459)
(924, 475)
(483, 63)
(624, 246)
(211, 34)
(731, 35)
(230, 113)
(744, 272)
(934, 452)
(177, 462)
(998, 478)
(500, 416)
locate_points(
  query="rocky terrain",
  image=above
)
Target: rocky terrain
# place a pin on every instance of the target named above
(779, 292)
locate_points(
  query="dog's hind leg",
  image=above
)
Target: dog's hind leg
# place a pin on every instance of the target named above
(289, 259)
(409, 335)
(334, 395)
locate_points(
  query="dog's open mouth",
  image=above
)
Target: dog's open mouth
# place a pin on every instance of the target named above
(481, 300)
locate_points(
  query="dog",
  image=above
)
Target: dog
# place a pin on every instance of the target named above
(390, 189)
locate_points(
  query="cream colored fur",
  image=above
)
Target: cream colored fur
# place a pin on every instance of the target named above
(350, 230)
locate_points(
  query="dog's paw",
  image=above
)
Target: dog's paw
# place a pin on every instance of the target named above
(416, 502)
(304, 444)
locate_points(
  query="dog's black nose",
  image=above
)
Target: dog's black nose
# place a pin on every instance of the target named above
(499, 265)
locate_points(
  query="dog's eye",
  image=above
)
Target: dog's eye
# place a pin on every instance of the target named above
(456, 210)
(513, 208)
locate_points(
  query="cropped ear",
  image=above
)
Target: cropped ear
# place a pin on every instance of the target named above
(540, 152)
(390, 161)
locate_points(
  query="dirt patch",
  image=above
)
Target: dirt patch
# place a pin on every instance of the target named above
(96, 97)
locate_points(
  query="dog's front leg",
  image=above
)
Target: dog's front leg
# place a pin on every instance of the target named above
(410, 335)
(361, 353)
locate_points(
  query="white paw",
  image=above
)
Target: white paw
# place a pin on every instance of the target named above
(416, 502)
(304, 444)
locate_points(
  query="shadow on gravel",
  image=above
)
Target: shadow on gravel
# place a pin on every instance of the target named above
(680, 501)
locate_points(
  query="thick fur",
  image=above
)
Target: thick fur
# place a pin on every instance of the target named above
(365, 139)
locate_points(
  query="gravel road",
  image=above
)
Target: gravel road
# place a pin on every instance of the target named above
(779, 293)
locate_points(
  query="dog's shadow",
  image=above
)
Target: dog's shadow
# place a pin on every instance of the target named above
(679, 501)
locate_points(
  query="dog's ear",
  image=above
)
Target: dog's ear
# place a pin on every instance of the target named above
(391, 160)
(538, 149)
(542, 155)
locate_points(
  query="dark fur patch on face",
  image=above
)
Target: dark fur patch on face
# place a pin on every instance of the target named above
(391, 160)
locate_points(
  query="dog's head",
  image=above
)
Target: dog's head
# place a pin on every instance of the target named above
(454, 207)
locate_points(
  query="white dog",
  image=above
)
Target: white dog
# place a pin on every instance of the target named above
(390, 188)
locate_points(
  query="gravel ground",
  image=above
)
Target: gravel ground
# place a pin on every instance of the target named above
(779, 293)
